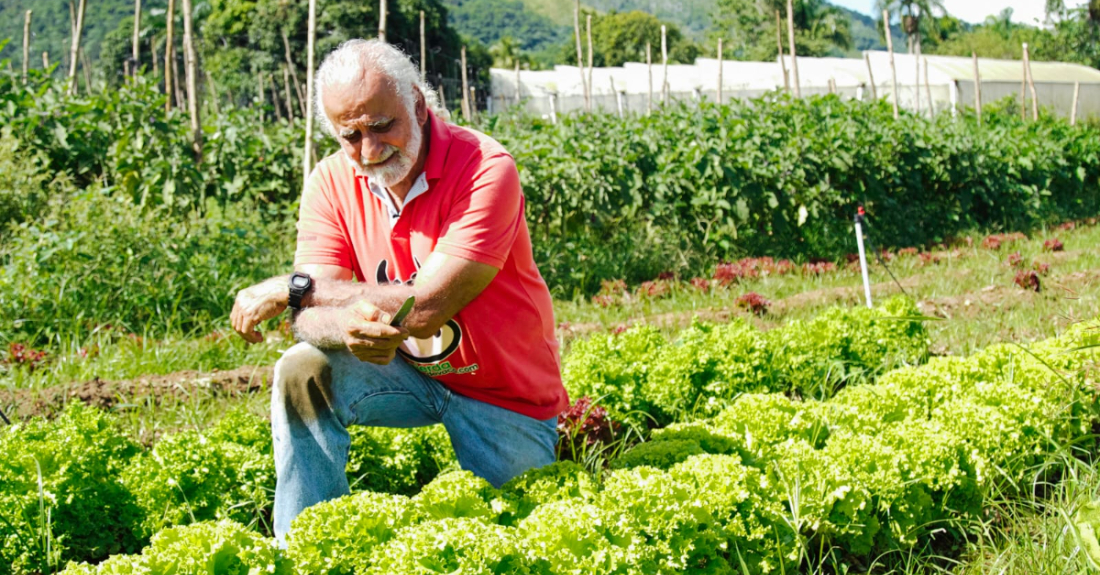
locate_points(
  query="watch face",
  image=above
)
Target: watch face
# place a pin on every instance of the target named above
(299, 281)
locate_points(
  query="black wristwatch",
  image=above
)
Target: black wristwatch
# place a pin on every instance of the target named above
(300, 284)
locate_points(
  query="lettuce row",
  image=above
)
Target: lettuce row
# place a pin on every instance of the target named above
(642, 378)
(102, 494)
(770, 480)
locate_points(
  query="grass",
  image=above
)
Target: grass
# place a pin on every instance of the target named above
(972, 291)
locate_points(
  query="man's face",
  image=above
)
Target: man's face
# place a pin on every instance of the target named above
(380, 136)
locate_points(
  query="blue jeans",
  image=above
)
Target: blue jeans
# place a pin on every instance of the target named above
(318, 394)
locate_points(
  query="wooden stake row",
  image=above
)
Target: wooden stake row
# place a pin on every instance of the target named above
(893, 68)
(26, 44)
(78, 27)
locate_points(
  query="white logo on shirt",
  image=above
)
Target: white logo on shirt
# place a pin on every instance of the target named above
(423, 351)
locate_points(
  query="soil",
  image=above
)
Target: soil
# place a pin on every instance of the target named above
(106, 394)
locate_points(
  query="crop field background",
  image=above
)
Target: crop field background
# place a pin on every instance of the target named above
(737, 408)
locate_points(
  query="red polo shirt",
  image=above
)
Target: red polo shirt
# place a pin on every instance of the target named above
(500, 348)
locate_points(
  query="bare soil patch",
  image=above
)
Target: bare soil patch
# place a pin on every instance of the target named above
(107, 394)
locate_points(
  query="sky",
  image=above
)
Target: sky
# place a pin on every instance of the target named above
(975, 11)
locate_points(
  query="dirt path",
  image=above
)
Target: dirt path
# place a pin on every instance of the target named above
(105, 394)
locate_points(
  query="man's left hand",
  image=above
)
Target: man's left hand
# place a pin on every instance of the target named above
(256, 304)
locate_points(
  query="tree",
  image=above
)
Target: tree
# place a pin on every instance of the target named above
(748, 28)
(911, 12)
(1074, 37)
(506, 53)
(620, 37)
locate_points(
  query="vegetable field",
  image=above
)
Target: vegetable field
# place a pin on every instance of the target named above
(736, 408)
(748, 468)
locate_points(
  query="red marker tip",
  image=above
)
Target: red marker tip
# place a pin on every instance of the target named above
(860, 210)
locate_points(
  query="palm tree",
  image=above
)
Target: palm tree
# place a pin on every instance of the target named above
(911, 12)
(506, 52)
(820, 25)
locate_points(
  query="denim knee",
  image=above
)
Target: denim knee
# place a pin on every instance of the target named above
(303, 385)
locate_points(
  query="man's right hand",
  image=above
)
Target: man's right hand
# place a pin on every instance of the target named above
(257, 304)
(369, 335)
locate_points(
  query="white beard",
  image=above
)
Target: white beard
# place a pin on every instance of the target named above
(398, 163)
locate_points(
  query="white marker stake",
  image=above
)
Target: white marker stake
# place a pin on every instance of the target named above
(863, 256)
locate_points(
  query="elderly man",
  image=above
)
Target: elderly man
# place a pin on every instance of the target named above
(411, 206)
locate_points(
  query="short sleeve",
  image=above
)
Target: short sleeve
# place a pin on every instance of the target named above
(321, 238)
(486, 214)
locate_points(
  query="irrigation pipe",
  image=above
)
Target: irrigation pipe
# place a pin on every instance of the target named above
(862, 256)
(860, 221)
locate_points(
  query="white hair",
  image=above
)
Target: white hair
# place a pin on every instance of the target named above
(347, 63)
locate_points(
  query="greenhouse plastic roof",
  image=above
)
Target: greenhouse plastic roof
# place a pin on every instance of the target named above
(633, 77)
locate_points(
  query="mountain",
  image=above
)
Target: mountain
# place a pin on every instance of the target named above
(866, 35)
(694, 18)
(489, 20)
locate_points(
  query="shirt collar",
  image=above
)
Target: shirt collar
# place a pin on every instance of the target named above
(439, 143)
(419, 187)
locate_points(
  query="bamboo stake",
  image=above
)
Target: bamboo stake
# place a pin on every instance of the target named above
(591, 96)
(466, 112)
(794, 55)
(46, 61)
(74, 54)
(294, 75)
(554, 109)
(1023, 90)
(870, 76)
(1073, 110)
(289, 99)
(1031, 85)
(517, 81)
(664, 65)
(126, 68)
(169, 54)
(442, 97)
(779, 44)
(473, 103)
(618, 97)
(156, 59)
(916, 60)
(649, 66)
(893, 68)
(928, 89)
(307, 154)
(423, 51)
(382, 20)
(977, 88)
(580, 52)
(136, 47)
(26, 44)
(191, 73)
(719, 71)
